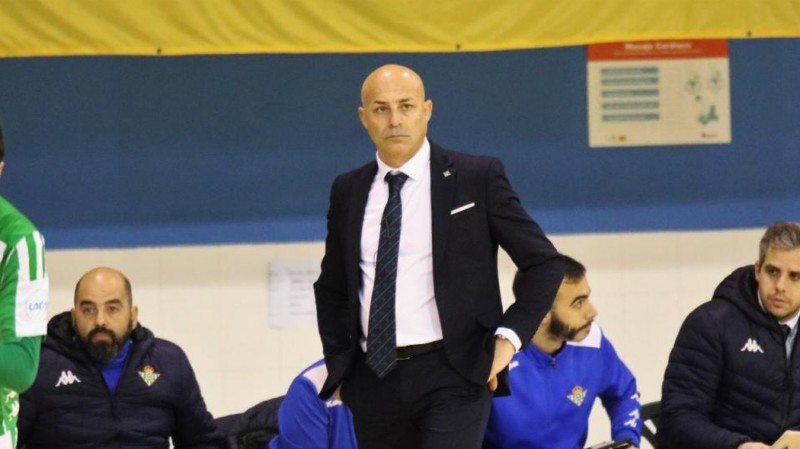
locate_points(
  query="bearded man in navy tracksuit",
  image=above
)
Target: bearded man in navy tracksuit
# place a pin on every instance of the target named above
(106, 381)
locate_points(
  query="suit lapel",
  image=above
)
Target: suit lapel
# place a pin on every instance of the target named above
(359, 193)
(443, 180)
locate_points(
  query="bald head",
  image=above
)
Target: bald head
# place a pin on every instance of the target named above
(391, 75)
(104, 278)
(395, 113)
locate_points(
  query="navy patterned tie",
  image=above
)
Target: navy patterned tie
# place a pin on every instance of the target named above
(381, 340)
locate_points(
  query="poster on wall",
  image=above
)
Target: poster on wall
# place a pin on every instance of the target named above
(668, 92)
(291, 292)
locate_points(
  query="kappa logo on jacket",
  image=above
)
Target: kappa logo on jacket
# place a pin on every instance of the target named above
(752, 346)
(634, 419)
(330, 403)
(67, 378)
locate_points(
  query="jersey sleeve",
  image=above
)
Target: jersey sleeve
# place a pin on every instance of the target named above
(24, 289)
(620, 396)
(303, 418)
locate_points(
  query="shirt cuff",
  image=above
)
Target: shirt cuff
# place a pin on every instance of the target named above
(509, 335)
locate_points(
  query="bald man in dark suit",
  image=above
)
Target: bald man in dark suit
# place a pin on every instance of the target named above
(430, 298)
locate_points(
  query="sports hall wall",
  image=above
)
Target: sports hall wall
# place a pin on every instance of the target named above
(193, 172)
(130, 151)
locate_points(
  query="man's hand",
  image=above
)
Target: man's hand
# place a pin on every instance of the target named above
(753, 445)
(503, 352)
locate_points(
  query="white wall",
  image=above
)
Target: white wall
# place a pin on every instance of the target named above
(213, 301)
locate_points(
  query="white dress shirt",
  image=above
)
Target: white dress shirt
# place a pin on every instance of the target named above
(791, 322)
(416, 314)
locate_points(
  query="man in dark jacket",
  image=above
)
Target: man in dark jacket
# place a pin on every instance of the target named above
(106, 381)
(733, 378)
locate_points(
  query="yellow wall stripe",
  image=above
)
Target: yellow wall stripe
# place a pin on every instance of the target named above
(182, 27)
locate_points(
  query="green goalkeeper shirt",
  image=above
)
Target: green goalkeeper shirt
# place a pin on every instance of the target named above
(23, 309)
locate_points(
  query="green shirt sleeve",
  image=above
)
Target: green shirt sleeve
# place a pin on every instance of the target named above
(19, 362)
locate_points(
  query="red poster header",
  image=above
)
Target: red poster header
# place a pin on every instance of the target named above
(662, 49)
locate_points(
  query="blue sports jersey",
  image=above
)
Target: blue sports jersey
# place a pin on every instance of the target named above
(552, 396)
(307, 422)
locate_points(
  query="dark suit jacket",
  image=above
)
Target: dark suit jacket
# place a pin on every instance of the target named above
(465, 244)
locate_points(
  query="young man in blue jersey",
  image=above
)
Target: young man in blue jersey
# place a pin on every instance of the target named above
(555, 380)
(306, 421)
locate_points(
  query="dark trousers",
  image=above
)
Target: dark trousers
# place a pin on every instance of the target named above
(422, 403)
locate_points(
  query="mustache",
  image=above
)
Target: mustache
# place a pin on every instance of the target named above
(99, 330)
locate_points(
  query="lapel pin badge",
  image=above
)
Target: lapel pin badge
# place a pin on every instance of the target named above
(446, 173)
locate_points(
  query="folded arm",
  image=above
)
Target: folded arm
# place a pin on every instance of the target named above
(19, 362)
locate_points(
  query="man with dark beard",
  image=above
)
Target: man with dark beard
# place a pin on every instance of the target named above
(556, 379)
(106, 381)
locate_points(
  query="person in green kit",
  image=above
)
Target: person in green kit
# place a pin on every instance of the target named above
(23, 309)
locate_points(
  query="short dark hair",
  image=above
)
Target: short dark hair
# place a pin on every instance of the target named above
(782, 235)
(2, 145)
(574, 271)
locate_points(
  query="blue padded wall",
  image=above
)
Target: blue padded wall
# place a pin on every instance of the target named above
(130, 151)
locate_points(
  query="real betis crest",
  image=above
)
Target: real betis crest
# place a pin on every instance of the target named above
(578, 395)
(149, 375)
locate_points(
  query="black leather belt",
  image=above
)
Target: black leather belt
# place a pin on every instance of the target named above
(407, 352)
